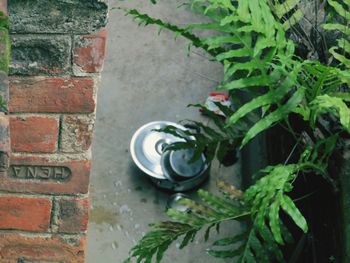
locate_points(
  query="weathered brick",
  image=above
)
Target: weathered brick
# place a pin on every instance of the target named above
(89, 53)
(18, 248)
(4, 142)
(57, 16)
(23, 213)
(4, 133)
(76, 133)
(34, 134)
(73, 215)
(40, 54)
(46, 174)
(52, 95)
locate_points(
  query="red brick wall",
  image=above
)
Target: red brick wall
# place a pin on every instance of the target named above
(58, 49)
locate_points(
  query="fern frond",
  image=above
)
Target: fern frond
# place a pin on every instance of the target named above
(215, 141)
(268, 196)
(214, 211)
(281, 113)
(319, 79)
(146, 20)
(336, 106)
(287, 11)
(252, 246)
(342, 50)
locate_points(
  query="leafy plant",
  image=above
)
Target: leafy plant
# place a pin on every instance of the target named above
(3, 105)
(4, 53)
(343, 46)
(261, 203)
(5, 39)
(287, 11)
(215, 142)
(252, 42)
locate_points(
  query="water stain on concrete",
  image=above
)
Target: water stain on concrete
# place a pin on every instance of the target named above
(100, 215)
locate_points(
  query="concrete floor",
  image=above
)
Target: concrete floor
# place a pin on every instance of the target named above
(146, 78)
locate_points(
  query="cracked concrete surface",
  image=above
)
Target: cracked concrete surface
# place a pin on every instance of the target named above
(146, 78)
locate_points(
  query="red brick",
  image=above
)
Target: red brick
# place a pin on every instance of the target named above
(34, 134)
(15, 248)
(52, 95)
(23, 213)
(27, 181)
(89, 53)
(73, 215)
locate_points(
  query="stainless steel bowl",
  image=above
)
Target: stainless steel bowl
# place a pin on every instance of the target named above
(147, 147)
(147, 151)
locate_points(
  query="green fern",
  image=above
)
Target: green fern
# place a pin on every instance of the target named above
(250, 41)
(5, 40)
(287, 11)
(3, 105)
(249, 247)
(322, 85)
(268, 196)
(262, 203)
(215, 141)
(342, 49)
(187, 225)
(337, 106)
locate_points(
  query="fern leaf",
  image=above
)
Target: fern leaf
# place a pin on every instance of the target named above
(339, 9)
(343, 28)
(243, 52)
(327, 104)
(269, 98)
(274, 117)
(230, 240)
(268, 196)
(224, 253)
(290, 208)
(293, 20)
(281, 9)
(340, 57)
(275, 221)
(257, 81)
(288, 12)
(247, 246)
(217, 203)
(154, 244)
(345, 96)
(217, 41)
(185, 218)
(185, 32)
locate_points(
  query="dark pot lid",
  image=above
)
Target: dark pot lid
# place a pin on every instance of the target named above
(176, 166)
(181, 165)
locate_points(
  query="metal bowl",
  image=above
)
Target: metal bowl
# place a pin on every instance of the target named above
(147, 147)
(147, 151)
